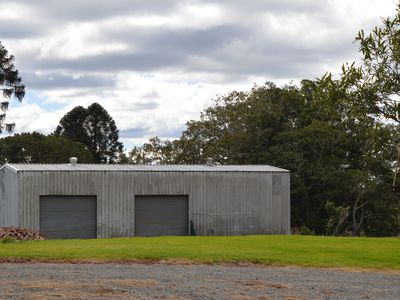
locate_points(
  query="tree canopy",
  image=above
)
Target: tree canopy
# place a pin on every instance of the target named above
(373, 84)
(10, 84)
(95, 128)
(38, 148)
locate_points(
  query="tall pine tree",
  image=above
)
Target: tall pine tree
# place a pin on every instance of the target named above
(10, 84)
(95, 128)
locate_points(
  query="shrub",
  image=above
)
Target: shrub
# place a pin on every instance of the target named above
(7, 240)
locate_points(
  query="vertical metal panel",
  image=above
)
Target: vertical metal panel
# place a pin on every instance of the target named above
(68, 217)
(285, 212)
(276, 184)
(220, 203)
(161, 215)
(9, 215)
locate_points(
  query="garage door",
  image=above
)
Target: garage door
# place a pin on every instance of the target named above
(68, 217)
(161, 215)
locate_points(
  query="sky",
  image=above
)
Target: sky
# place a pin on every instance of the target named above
(154, 65)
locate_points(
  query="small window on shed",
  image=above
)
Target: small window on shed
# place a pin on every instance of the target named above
(276, 185)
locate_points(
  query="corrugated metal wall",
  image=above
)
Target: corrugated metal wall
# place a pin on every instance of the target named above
(220, 203)
(9, 213)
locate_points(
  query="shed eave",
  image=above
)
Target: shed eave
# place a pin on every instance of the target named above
(10, 167)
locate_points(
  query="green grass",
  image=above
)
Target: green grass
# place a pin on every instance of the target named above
(312, 251)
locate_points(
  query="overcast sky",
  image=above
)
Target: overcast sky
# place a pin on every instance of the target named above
(156, 64)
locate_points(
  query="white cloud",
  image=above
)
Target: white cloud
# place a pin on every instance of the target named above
(29, 117)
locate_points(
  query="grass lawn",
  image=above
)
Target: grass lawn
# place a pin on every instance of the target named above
(313, 251)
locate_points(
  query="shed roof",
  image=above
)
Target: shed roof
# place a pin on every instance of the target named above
(141, 168)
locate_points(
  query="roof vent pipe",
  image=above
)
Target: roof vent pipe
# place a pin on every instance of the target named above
(209, 162)
(73, 161)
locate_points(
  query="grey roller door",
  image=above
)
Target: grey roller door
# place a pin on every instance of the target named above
(68, 217)
(161, 215)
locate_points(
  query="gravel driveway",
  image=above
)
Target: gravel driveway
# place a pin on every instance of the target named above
(162, 281)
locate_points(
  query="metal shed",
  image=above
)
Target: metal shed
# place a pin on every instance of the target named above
(88, 200)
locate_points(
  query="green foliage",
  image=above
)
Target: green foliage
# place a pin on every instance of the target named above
(38, 148)
(72, 125)
(10, 85)
(235, 130)
(312, 251)
(241, 126)
(375, 83)
(7, 240)
(155, 151)
(95, 128)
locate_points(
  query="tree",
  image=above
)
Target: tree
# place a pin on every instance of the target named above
(236, 130)
(155, 151)
(95, 128)
(72, 125)
(374, 83)
(346, 164)
(10, 84)
(38, 148)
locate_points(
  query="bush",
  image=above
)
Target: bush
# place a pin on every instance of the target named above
(7, 240)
